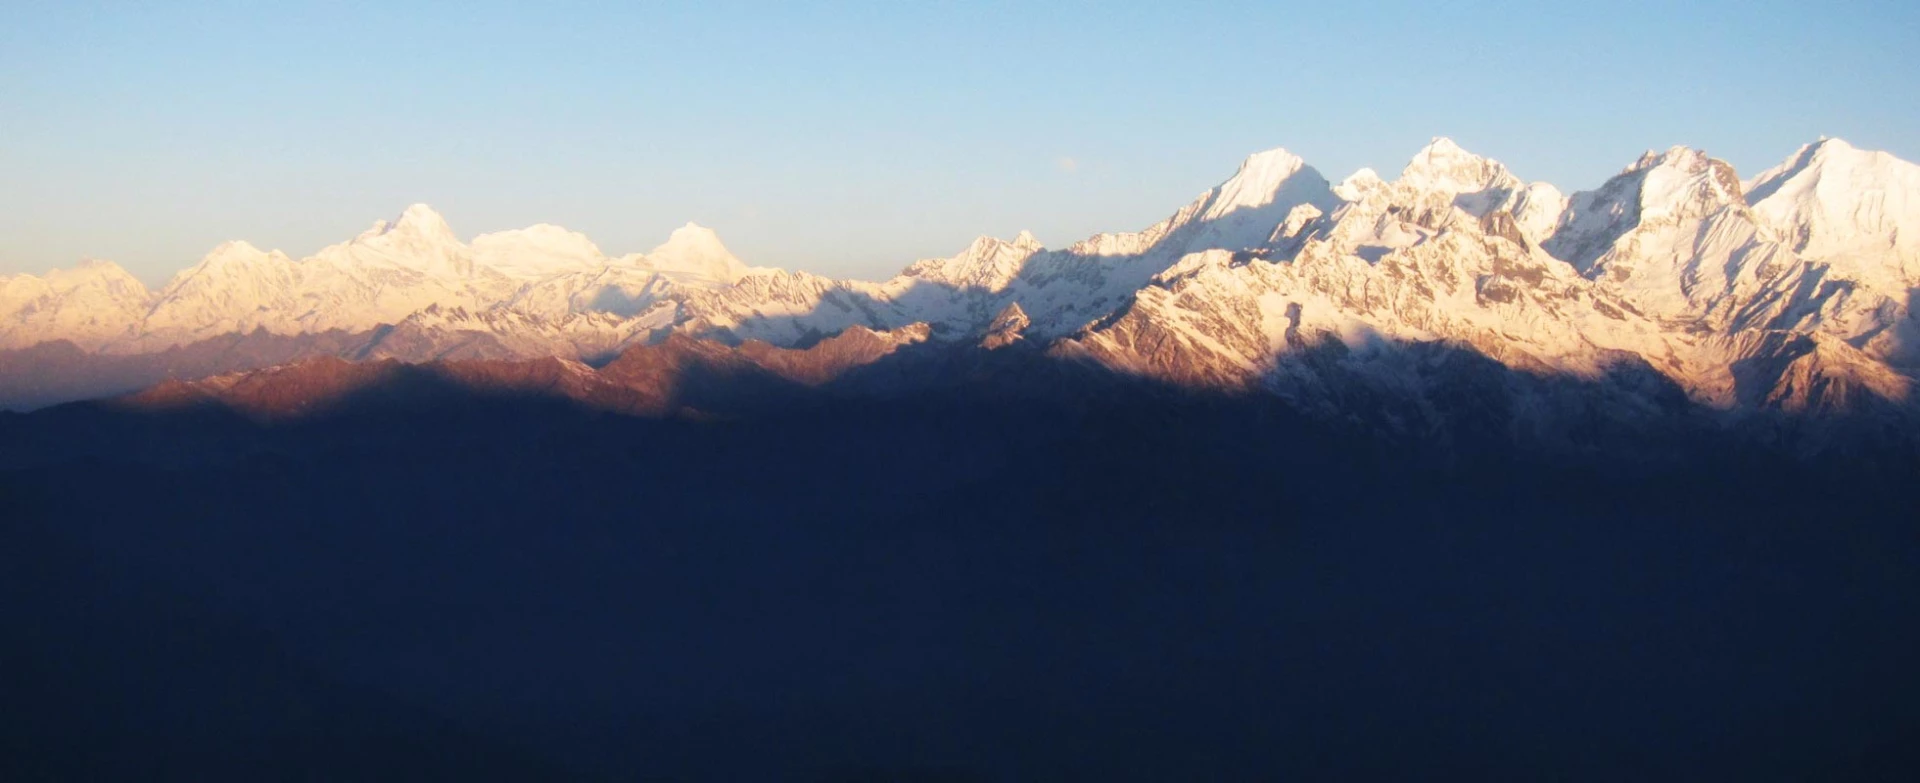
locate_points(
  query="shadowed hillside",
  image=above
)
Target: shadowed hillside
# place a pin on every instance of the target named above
(1014, 568)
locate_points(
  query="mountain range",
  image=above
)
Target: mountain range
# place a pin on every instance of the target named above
(1791, 291)
(1450, 477)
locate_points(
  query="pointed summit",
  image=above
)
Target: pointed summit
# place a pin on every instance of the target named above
(988, 264)
(1441, 148)
(1007, 327)
(232, 252)
(418, 226)
(1832, 200)
(1261, 179)
(419, 239)
(421, 220)
(1443, 166)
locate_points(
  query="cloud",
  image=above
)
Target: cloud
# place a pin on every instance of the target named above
(1067, 165)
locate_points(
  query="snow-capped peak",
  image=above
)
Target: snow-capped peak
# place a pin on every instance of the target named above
(417, 221)
(419, 239)
(537, 251)
(238, 251)
(1260, 181)
(1670, 241)
(90, 271)
(1684, 182)
(89, 304)
(1443, 166)
(988, 263)
(694, 238)
(694, 252)
(1666, 188)
(1830, 200)
(1356, 186)
(1442, 154)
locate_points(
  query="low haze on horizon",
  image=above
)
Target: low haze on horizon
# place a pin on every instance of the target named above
(851, 139)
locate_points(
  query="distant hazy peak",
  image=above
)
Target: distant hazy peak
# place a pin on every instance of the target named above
(536, 251)
(1358, 184)
(88, 272)
(695, 251)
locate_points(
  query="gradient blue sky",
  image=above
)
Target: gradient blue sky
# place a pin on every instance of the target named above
(849, 139)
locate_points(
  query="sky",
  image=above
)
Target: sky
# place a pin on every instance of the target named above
(849, 139)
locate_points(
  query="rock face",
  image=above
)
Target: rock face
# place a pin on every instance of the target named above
(1791, 291)
(1006, 328)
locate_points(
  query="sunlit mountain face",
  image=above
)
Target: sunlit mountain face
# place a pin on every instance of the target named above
(1788, 292)
(1450, 476)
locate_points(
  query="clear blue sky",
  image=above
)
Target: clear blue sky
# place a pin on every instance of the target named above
(849, 139)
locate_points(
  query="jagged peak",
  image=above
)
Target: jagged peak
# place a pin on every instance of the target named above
(988, 262)
(417, 221)
(1679, 181)
(986, 245)
(1676, 156)
(1006, 327)
(983, 245)
(1685, 174)
(1444, 165)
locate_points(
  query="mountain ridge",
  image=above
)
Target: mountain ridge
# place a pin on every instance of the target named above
(1676, 260)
